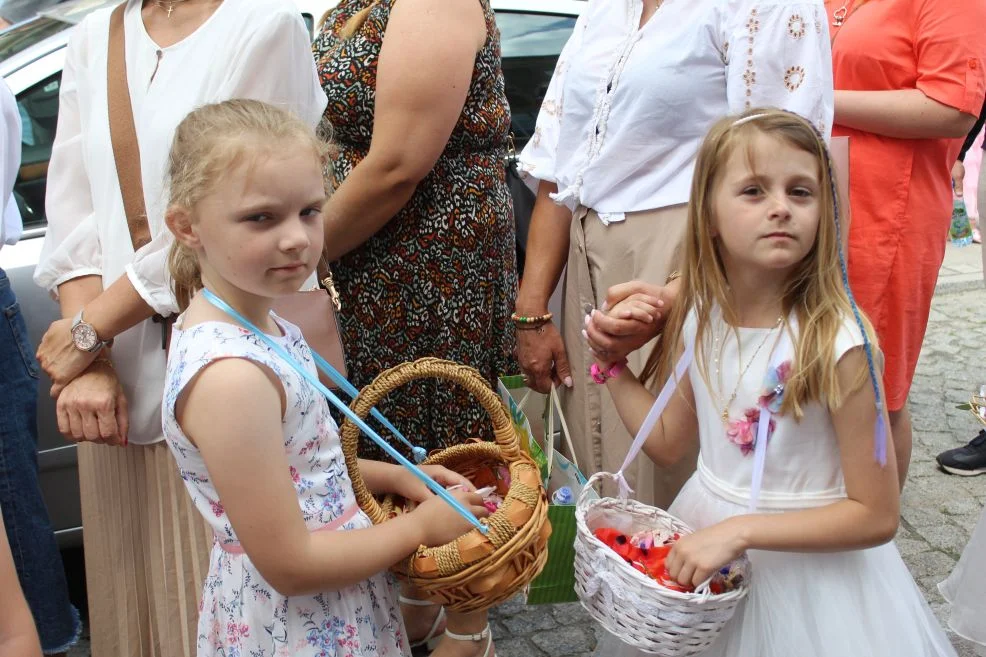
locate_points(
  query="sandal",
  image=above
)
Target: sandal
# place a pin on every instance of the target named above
(485, 634)
(432, 634)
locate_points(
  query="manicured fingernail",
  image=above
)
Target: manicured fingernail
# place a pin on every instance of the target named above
(568, 382)
(605, 306)
(585, 334)
(595, 312)
(588, 318)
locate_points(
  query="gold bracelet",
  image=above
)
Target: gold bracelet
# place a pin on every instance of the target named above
(672, 276)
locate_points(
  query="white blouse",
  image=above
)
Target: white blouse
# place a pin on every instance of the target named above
(10, 163)
(627, 108)
(256, 49)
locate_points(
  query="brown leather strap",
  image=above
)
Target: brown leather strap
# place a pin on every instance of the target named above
(123, 133)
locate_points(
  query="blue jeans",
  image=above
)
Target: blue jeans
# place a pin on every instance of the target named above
(36, 555)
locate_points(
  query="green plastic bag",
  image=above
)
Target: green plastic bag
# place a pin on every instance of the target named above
(556, 583)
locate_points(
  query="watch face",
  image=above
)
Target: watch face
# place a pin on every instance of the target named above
(84, 336)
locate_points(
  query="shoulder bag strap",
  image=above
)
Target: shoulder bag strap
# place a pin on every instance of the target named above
(123, 133)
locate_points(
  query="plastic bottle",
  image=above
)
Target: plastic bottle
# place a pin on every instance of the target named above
(562, 496)
(960, 230)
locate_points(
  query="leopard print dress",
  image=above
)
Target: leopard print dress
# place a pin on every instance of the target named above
(440, 279)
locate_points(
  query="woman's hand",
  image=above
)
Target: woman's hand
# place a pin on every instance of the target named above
(696, 557)
(58, 356)
(614, 334)
(408, 486)
(542, 357)
(92, 407)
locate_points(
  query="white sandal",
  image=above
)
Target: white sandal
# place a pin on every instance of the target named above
(432, 634)
(485, 634)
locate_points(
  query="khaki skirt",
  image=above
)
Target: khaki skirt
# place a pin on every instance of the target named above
(644, 246)
(146, 549)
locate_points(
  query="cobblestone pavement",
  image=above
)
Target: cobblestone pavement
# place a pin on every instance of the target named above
(938, 511)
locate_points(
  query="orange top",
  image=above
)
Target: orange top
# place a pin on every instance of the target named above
(900, 189)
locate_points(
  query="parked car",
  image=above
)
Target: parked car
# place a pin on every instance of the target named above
(32, 54)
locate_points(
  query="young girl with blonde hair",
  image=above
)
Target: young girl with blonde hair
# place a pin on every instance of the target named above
(296, 568)
(768, 316)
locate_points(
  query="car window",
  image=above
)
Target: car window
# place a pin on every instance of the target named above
(531, 44)
(23, 36)
(38, 107)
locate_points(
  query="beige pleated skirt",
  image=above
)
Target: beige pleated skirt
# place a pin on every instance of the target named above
(146, 549)
(644, 247)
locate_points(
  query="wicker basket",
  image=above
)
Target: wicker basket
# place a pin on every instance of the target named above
(631, 605)
(474, 572)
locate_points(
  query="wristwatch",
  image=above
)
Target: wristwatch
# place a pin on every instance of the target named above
(84, 336)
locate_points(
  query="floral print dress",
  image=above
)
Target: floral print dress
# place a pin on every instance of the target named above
(240, 613)
(440, 278)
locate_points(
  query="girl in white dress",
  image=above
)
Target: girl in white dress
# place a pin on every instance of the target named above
(296, 569)
(765, 304)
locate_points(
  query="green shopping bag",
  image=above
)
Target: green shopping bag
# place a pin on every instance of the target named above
(556, 583)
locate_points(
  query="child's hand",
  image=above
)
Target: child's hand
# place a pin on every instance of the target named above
(440, 523)
(696, 557)
(411, 488)
(637, 315)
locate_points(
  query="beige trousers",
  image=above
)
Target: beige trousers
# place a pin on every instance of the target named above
(644, 246)
(147, 552)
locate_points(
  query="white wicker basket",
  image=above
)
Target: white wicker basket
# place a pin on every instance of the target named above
(631, 605)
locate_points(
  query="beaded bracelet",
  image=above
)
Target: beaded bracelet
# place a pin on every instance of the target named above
(537, 320)
(601, 376)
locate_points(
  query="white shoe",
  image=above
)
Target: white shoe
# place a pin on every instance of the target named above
(431, 636)
(485, 634)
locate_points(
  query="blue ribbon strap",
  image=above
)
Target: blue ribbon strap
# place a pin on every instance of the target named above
(338, 403)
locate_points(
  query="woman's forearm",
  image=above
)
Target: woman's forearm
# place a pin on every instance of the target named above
(74, 294)
(902, 114)
(372, 194)
(111, 312)
(547, 251)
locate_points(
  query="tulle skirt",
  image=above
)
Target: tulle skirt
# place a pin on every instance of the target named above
(965, 588)
(843, 604)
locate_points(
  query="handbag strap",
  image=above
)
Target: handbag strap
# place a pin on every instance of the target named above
(552, 406)
(339, 404)
(123, 133)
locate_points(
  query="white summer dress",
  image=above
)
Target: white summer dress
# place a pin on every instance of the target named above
(241, 614)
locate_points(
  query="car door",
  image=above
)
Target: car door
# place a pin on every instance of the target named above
(532, 36)
(36, 87)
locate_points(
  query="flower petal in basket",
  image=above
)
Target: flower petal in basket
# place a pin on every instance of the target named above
(475, 571)
(631, 605)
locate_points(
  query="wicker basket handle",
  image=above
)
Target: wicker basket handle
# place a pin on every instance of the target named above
(424, 368)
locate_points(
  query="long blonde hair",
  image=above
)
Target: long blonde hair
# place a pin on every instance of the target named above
(816, 290)
(209, 142)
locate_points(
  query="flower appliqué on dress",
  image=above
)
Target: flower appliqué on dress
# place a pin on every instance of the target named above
(743, 431)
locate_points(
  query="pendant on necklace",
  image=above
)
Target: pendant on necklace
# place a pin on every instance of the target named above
(839, 16)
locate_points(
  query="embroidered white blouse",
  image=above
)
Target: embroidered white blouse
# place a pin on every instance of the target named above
(256, 49)
(627, 108)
